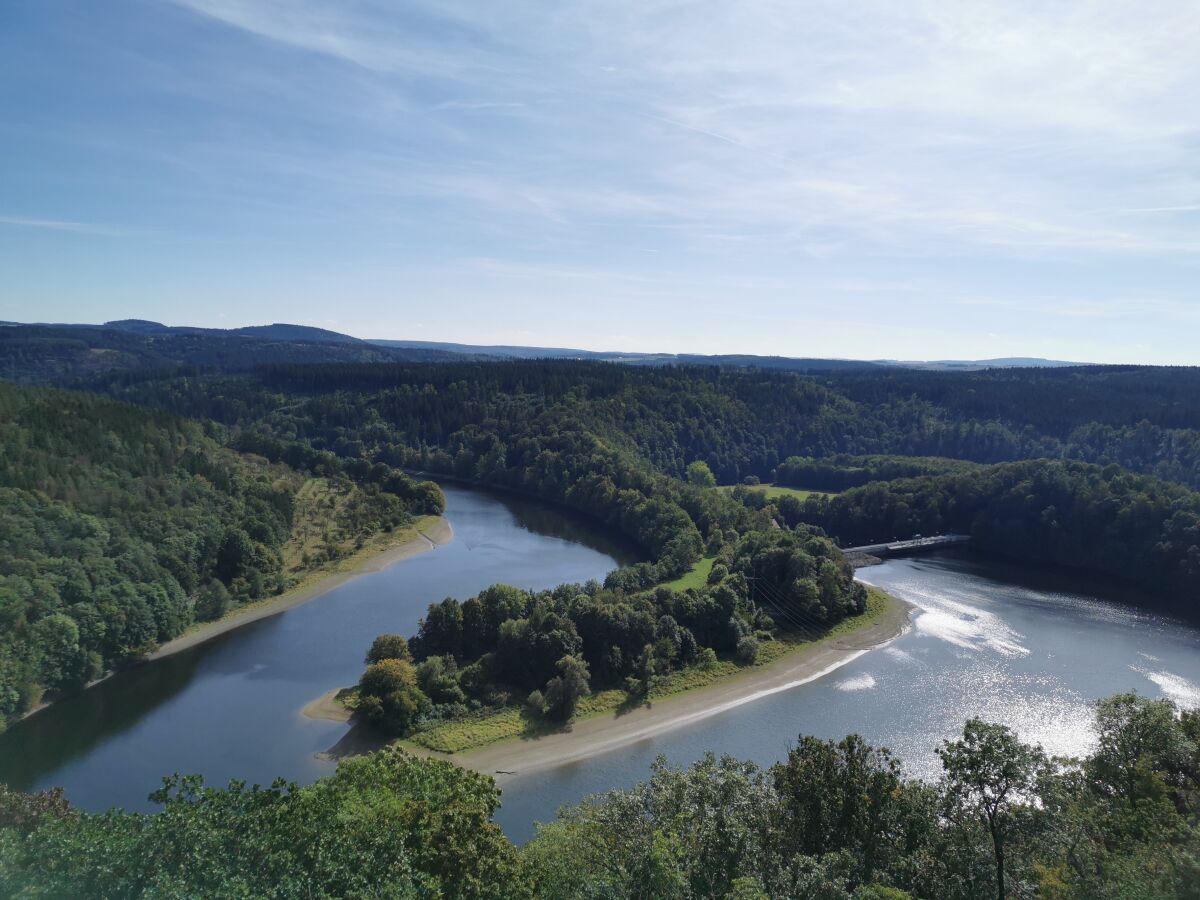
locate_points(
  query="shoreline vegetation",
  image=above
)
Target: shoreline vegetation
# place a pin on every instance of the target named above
(505, 743)
(383, 551)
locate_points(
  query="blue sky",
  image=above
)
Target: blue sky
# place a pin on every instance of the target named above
(971, 178)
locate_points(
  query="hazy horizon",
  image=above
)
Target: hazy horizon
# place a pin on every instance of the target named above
(962, 180)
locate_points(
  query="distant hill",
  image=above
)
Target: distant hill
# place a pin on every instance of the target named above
(972, 365)
(283, 332)
(137, 326)
(279, 331)
(62, 354)
(789, 363)
(507, 351)
(59, 352)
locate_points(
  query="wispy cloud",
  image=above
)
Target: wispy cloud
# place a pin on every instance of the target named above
(60, 225)
(874, 155)
(913, 127)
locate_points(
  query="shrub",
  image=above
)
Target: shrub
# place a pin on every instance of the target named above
(747, 650)
(388, 646)
(389, 696)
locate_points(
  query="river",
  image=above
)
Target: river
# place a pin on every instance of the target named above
(230, 707)
(1031, 650)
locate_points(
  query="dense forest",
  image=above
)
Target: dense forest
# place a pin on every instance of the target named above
(741, 422)
(1132, 528)
(62, 355)
(843, 470)
(833, 821)
(119, 527)
(616, 442)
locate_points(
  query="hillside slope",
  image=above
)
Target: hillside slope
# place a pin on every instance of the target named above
(120, 526)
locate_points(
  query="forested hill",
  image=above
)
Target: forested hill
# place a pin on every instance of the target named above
(121, 526)
(62, 355)
(1133, 528)
(740, 417)
(741, 422)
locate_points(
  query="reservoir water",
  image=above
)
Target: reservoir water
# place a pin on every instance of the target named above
(1033, 651)
(230, 708)
(988, 639)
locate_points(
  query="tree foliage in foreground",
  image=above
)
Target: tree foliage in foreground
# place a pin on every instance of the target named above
(834, 820)
(840, 821)
(385, 825)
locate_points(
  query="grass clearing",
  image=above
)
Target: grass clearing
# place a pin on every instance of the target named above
(696, 578)
(330, 522)
(771, 491)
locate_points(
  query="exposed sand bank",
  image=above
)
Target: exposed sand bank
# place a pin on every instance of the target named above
(601, 733)
(326, 707)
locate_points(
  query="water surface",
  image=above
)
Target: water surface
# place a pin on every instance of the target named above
(230, 708)
(1033, 651)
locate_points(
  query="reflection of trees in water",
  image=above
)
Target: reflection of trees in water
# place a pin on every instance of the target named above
(1084, 587)
(569, 525)
(73, 726)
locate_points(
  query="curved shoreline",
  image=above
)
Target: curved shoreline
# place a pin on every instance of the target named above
(434, 535)
(429, 538)
(327, 708)
(599, 734)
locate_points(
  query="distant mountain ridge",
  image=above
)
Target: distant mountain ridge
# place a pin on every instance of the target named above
(153, 343)
(508, 351)
(279, 331)
(810, 364)
(1003, 362)
(63, 354)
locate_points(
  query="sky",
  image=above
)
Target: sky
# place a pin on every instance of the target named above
(919, 180)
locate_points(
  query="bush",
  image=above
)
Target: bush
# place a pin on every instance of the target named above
(747, 650)
(389, 697)
(535, 704)
(388, 646)
(564, 690)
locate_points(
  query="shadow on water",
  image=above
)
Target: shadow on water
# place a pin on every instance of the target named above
(565, 524)
(1061, 582)
(360, 739)
(76, 724)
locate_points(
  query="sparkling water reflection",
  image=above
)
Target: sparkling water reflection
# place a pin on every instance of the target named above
(1033, 651)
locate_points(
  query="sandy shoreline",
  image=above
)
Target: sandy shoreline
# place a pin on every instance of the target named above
(326, 707)
(599, 734)
(428, 538)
